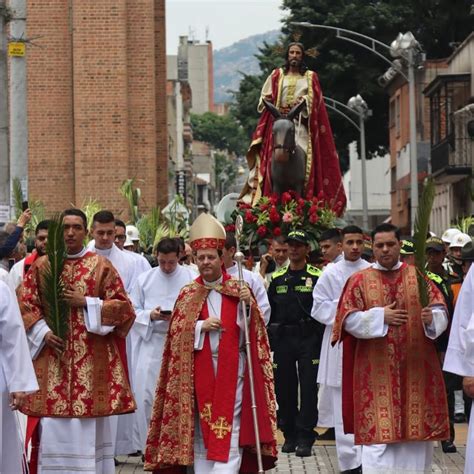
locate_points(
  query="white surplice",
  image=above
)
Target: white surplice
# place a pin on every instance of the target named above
(15, 276)
(397, 458)
(153, 288)
(121, 425)
(75, 444)
(257, 286)
(17, 375)
(459, 357)
(201, 464)
(326, 294)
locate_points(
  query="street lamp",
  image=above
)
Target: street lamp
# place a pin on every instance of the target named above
(359, 106)
(408, 49)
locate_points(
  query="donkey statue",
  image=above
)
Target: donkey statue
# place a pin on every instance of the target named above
(288, 164)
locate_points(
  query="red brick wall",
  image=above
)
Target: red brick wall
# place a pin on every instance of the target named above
(50, 105)
(97, 101)
(160, 105)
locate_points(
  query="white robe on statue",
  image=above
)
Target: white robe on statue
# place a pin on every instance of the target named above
(75, 444)
(201, 464)
(17, 375)
(397, 458)
(153, 288)
(326, 294)
(459, 357)
(256, 284)
(121, 425)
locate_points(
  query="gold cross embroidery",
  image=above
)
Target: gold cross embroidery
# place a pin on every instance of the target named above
(206, 413)
(221, 427)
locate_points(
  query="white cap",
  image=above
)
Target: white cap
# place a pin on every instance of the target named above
(132, 233)
(460, 240)
(448, 235)
(128, 242)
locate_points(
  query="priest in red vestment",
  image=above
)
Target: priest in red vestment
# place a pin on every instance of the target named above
(393, 399)
(202, 414)
(285, 88)
(83, 378)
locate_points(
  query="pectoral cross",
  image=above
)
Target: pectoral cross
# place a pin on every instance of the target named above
(221, 427)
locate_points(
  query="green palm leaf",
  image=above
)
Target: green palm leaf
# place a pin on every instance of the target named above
(422, 222)
(57, 310)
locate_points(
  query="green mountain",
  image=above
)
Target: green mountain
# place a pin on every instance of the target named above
(231, 61)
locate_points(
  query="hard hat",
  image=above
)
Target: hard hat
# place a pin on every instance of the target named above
(128, 242)
(448, 235)
(132, 233)
(460, 240)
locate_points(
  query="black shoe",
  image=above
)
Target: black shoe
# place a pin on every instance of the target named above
(459, 418)
(356, 470)
(328, 435)
(136, 454)
(289, 446)
(448, 447)
(304, 450)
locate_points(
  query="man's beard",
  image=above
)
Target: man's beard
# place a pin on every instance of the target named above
(295, 63)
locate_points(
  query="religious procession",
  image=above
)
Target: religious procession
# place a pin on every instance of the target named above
(190, 287)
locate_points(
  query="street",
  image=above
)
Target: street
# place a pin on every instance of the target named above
(324, 459)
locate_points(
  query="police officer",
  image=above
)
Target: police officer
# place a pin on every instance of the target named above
(296, 341)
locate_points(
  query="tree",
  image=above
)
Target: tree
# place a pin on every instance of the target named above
(222, 132)
(345, 69)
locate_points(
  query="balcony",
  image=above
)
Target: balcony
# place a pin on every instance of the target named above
(451, 149)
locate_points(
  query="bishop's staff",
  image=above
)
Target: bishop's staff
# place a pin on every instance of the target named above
(239, 258)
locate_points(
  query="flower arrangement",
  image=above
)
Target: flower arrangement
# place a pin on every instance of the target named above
(275, 215)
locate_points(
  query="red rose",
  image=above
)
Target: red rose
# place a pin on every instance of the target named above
(230, 227)
(276, 231)
(264, 207)
(285, 198)
(301, 202)
(274, 216)
(244, 205)
(249, 217)
(313, 218)
(262, 231)
(299, 210)
(313, 209)
(273, 198)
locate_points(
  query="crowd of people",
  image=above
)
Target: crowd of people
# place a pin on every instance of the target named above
(155, 363)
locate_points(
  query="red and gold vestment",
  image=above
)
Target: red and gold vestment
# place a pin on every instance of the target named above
(90, 378)
(392, 388)
(170, 443)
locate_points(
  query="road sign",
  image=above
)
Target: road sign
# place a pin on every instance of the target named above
(16, 49)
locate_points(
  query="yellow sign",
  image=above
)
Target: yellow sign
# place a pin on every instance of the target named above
(16, 49)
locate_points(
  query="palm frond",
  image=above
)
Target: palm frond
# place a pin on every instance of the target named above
(422, 222)
(132, 195)
(57, 310)
(17, 192)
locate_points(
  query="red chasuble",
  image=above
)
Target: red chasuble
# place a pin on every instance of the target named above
(392, 387)
(187, 378)
(90, 378)
(323, 173)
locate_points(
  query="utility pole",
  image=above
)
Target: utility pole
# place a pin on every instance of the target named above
(18, 98)
(4, 160)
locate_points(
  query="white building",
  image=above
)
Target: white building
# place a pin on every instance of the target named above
(378, 188)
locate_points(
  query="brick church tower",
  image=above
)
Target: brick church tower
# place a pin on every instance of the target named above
(97, 101)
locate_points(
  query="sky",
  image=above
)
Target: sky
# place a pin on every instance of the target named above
(227, 21)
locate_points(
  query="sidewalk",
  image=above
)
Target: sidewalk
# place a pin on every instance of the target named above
(324, 459)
